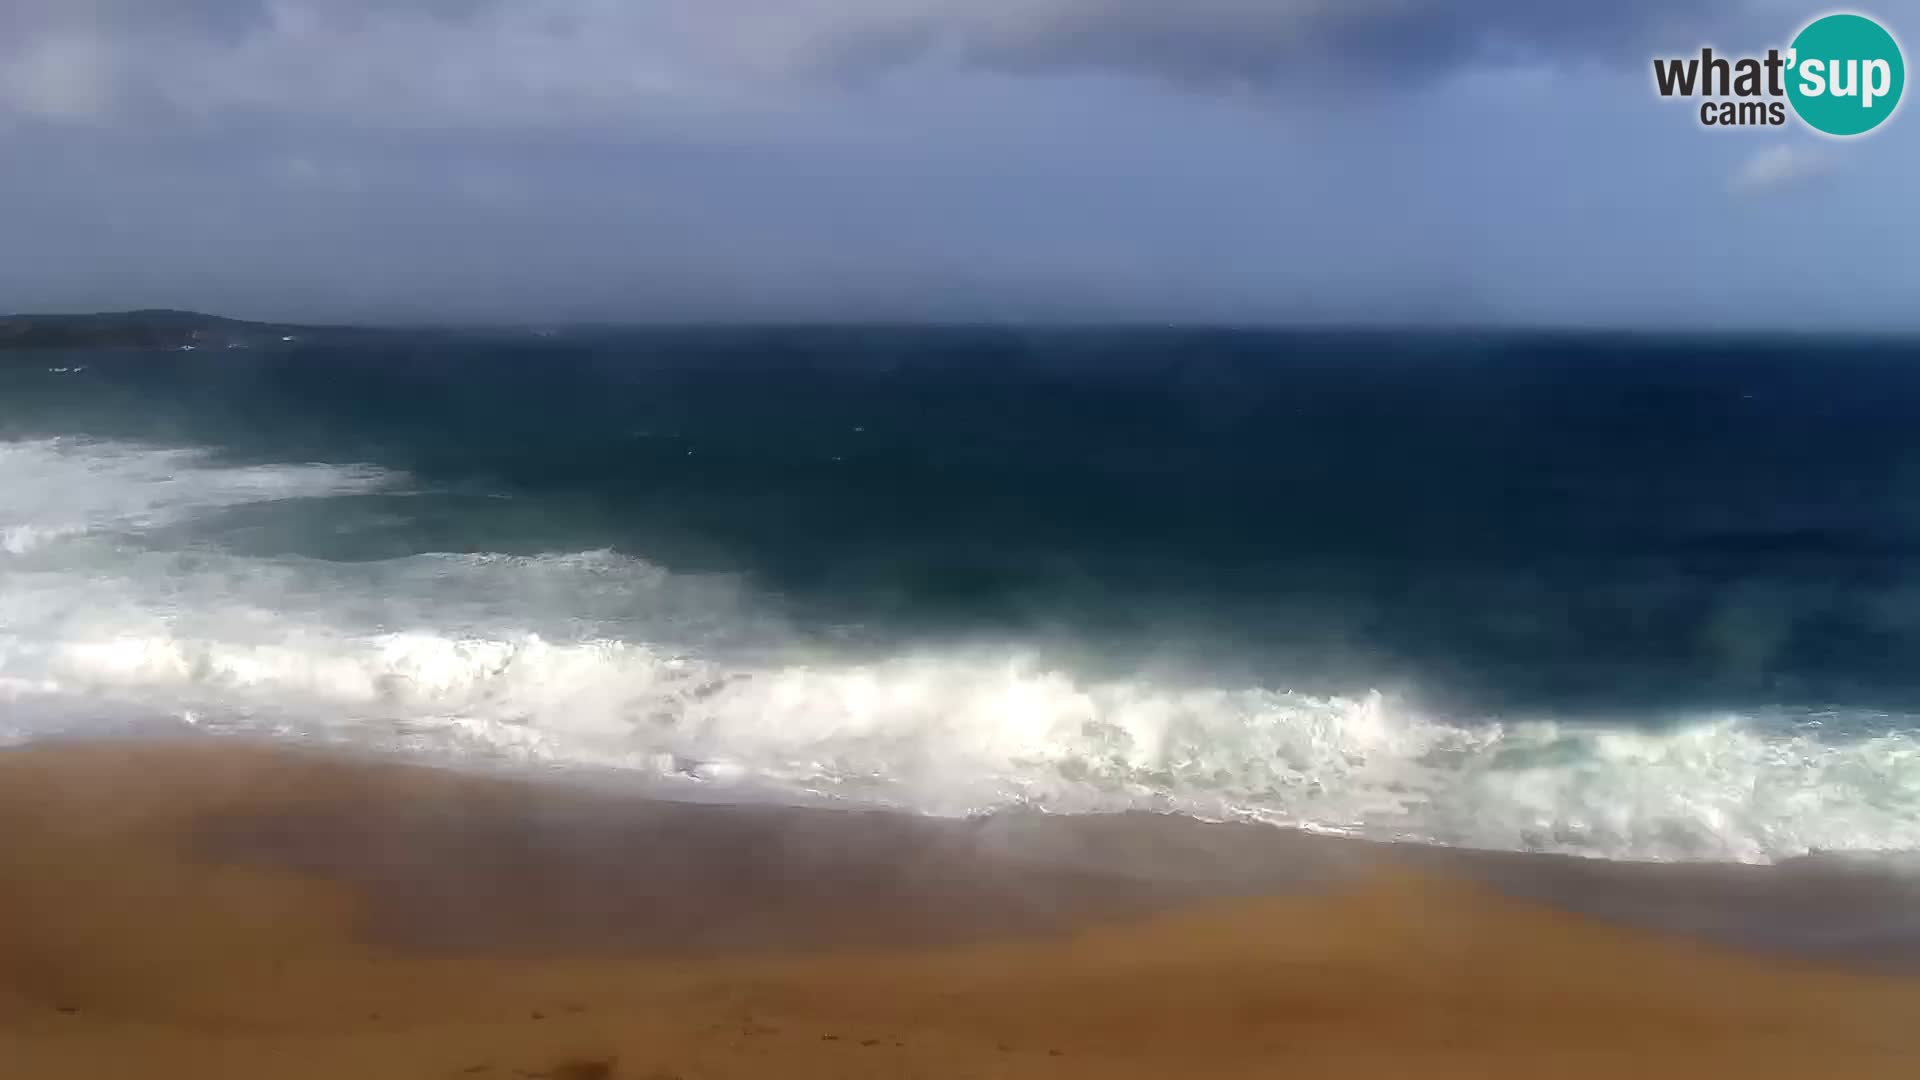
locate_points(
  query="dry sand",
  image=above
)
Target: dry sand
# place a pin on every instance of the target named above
(213, 910)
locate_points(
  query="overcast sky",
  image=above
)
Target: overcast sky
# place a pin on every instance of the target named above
(1480, 161)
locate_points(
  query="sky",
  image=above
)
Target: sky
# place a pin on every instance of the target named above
(1497, 162)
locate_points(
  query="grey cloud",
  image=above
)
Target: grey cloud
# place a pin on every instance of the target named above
(1291, 42)
(494, 62)
(413, 62)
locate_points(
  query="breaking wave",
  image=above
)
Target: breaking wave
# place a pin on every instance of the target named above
(600, 659)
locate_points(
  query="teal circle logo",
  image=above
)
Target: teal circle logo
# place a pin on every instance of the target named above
(1845, 74)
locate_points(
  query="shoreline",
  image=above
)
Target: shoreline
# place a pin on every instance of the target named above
(226, 909)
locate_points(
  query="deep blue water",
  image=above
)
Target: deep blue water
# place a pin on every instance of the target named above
(1625, 530)
(1563, 520)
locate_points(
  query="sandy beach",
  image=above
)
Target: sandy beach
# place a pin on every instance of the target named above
(214, 909)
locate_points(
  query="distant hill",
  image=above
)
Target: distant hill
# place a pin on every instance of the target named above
(141, 330)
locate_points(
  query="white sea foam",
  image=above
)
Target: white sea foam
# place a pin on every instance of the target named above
(599, 659)
(952, 733)
(60, 488)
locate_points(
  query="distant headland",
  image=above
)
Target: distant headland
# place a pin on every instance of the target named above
(154, 329)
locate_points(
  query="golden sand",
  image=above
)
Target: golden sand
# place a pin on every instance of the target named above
(213, 911)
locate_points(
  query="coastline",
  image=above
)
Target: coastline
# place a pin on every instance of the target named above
(213, 909)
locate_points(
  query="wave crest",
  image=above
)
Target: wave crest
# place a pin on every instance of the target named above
(966, 732)
(600, 659)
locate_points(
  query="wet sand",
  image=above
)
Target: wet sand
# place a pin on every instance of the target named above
(212, 910)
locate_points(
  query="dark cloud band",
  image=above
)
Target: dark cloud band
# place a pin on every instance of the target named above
(468, 59)
(1277, 42)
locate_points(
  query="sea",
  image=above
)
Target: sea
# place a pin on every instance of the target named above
(1618, 595)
